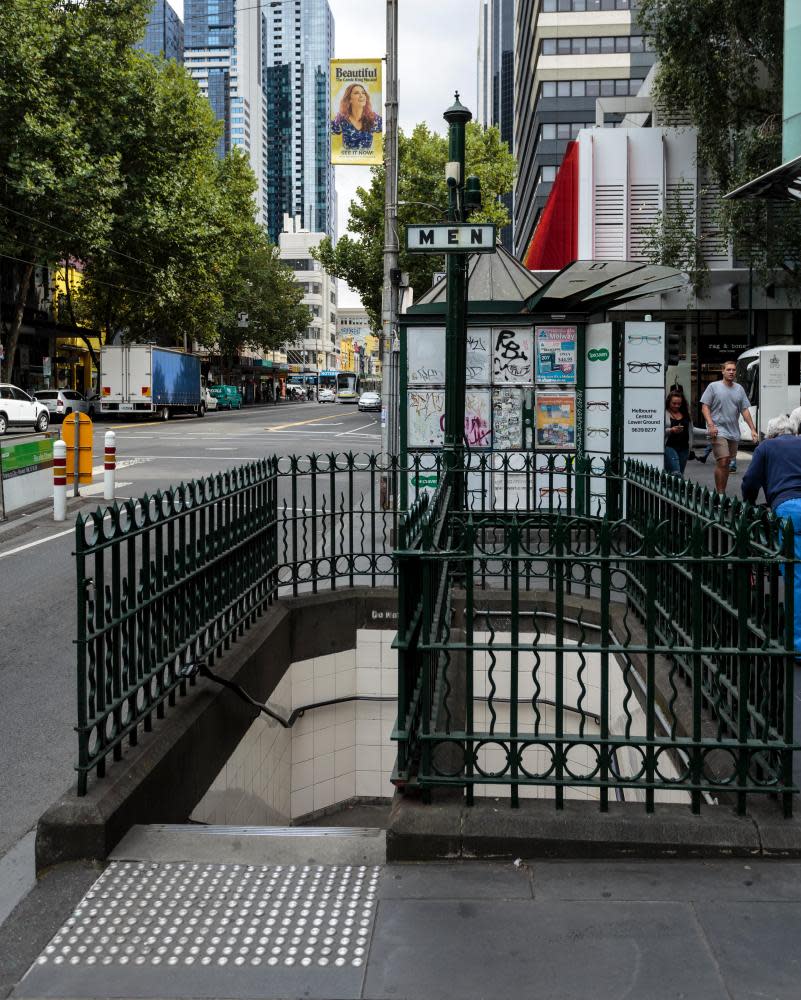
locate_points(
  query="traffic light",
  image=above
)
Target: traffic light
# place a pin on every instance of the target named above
(673, 348)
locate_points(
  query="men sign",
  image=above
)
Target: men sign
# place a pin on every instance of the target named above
(444, 237)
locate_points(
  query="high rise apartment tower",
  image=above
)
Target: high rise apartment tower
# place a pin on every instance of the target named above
(223, 52)
(495, 97)
(567, 54)
(164, 35)
(298, 44)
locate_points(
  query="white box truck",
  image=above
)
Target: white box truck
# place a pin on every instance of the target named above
(142, 379)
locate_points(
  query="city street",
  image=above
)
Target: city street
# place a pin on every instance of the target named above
(37, 613)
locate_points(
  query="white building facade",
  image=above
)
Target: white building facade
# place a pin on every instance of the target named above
(317, 350)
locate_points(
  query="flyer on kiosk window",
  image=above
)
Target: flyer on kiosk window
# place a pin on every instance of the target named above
(556, 420)
(556, 354)
(357, 125)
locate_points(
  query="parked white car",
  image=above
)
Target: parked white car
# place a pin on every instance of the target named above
(210, 401)
(18, 409)
(326, 396)
(61, 402)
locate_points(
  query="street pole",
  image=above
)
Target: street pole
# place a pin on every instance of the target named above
(457, 117)
(389, 297)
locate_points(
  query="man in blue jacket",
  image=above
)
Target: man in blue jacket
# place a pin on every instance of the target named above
(776, 470)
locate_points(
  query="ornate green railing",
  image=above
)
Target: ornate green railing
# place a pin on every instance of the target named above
(654, 639)
(565, 652)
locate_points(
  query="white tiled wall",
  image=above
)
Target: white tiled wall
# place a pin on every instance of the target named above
(330, 755)
(340, 751)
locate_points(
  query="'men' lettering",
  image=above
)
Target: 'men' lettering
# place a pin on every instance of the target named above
(426, 236)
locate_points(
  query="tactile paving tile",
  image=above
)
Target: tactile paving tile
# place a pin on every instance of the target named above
(248, 927)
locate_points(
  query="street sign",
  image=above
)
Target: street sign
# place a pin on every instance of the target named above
(447, 237)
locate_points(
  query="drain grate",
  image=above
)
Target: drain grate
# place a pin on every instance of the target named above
(187, 914)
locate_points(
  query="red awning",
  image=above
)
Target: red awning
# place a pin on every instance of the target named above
(554, 244)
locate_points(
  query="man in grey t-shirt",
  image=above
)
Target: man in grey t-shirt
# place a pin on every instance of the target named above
(721, 404)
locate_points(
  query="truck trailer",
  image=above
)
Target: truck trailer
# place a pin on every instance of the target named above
(141, 379)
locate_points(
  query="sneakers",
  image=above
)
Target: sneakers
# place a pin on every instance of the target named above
(703, 457)
(733, 466)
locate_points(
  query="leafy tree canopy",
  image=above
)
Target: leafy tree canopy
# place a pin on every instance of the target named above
(108, 161)
(720, 61)
(422, 197)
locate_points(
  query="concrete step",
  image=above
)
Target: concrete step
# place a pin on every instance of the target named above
(253, 845)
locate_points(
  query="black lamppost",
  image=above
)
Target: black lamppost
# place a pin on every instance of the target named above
(457, 116)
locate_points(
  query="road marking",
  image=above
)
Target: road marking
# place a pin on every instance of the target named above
(41, 541)
(124, 463)
(299, 423)
(221, 449)
(355, 429)
(96, 489)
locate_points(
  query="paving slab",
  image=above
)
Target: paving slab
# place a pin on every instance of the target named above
(493, 950)
(459, 880)
(679, 880)
(756, 945)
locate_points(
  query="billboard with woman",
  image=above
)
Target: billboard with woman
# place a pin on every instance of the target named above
(357, 127)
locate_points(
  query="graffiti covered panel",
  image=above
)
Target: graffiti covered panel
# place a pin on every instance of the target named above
(512, 355)
(426, 418)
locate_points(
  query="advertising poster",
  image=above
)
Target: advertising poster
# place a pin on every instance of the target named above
(597, 421)
(644, 347)
(644, 422)
(555, 348)
(507, 418)
(598, 355)
(478, 356)
(425, 352)
(357, 126)
(512, 350)
(556, 420)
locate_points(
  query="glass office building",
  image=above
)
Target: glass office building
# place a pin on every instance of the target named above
(298, 44)
(164, 35)
(224, 54)
(495, 96)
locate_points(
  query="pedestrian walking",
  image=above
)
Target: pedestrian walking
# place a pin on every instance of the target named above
(677, 432)
(722, 404)
(776, 470)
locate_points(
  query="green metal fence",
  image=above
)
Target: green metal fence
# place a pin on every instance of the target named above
(567, 652)
(651, 651)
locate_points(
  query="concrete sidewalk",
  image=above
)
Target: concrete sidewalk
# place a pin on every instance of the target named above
(473, 931)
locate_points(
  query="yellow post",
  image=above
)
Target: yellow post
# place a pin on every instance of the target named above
(76, 432)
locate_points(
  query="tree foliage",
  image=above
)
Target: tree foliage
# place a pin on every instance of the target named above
(672, 241)
(108, 161)
(422, 196)
(720, 61)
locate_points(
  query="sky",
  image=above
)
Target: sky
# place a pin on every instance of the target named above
(437, 43)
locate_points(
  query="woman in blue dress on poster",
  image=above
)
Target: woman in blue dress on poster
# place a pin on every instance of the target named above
(356, 121)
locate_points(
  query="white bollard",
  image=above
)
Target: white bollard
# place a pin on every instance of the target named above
(59, 480)
(109, 465)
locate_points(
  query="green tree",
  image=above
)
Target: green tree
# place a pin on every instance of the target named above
(59, 171)
(422, 196)
(720, 61)
(264, 309)
(672, 241)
